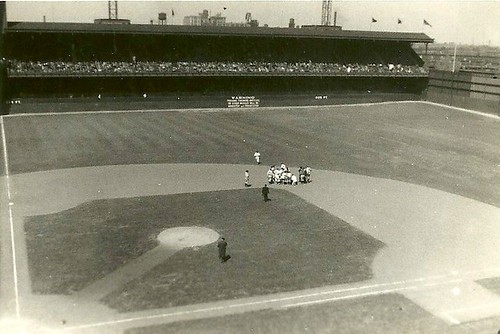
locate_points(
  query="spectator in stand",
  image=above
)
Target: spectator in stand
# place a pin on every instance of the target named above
(166, 67)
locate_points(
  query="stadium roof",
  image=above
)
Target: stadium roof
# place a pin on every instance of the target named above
(318, 32)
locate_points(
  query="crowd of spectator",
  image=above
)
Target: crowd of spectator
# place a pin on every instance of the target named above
(161, 67)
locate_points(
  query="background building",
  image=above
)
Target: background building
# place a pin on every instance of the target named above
(205, 19)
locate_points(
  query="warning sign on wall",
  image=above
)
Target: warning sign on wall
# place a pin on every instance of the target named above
(242, 102)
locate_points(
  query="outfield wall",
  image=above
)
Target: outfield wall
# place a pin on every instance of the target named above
(240, 84)
(465, 90)
(124, 93)
(188, 101)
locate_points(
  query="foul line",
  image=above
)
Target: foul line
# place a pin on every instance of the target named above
(218, 109)
(275, 300)
(497, 117)
(379, 292)
(493, 116)
(11, 220)
(451, 319)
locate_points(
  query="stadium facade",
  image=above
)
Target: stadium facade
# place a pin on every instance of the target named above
(80, 60)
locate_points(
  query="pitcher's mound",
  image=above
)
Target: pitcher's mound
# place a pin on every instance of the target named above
(187, 236)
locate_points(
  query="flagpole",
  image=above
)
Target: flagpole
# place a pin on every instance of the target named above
(454, 57)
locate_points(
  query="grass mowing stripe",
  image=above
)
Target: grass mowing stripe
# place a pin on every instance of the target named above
(256, 133)
(131, 131)
(25, 148)
(249, 140)
(122, 134)
(101, 136)
(173, 139)
(136, 136)
(179, 139)
(233, 136)
(121, 138)
(198, 134)
(81, 138)
(157, 134)
(214, 134)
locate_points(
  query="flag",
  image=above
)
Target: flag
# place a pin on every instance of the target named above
(427, 23)
(399, 21)
(373, 20)
(173, 14)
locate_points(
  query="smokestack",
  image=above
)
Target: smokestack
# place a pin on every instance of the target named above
(335, 18)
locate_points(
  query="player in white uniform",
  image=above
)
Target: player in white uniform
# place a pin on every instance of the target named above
(247, 179)
(256, 155)
(277, 175)
(270, 175)
(308, 174)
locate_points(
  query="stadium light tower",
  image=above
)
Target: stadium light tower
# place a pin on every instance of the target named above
(326, 13)
(113, 10)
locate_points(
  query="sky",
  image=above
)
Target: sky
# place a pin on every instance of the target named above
(451, 21)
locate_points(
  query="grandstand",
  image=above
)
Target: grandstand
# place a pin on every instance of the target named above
(78, 60)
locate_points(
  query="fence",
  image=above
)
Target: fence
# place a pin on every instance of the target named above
(465, 90)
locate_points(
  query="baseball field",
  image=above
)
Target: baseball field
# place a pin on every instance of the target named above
(110, 221)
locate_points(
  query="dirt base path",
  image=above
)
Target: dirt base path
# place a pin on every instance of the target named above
(438, 243)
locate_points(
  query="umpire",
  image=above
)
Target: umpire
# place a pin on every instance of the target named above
(265, 193)
(222, 244)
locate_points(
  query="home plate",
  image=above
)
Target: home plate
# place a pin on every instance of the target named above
(457, 303)
(180, 237)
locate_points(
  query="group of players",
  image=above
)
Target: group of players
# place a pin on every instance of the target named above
(283, 175)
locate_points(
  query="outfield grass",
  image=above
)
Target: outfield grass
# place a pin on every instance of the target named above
(388, 314)
(419, 143)
(283, 245)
